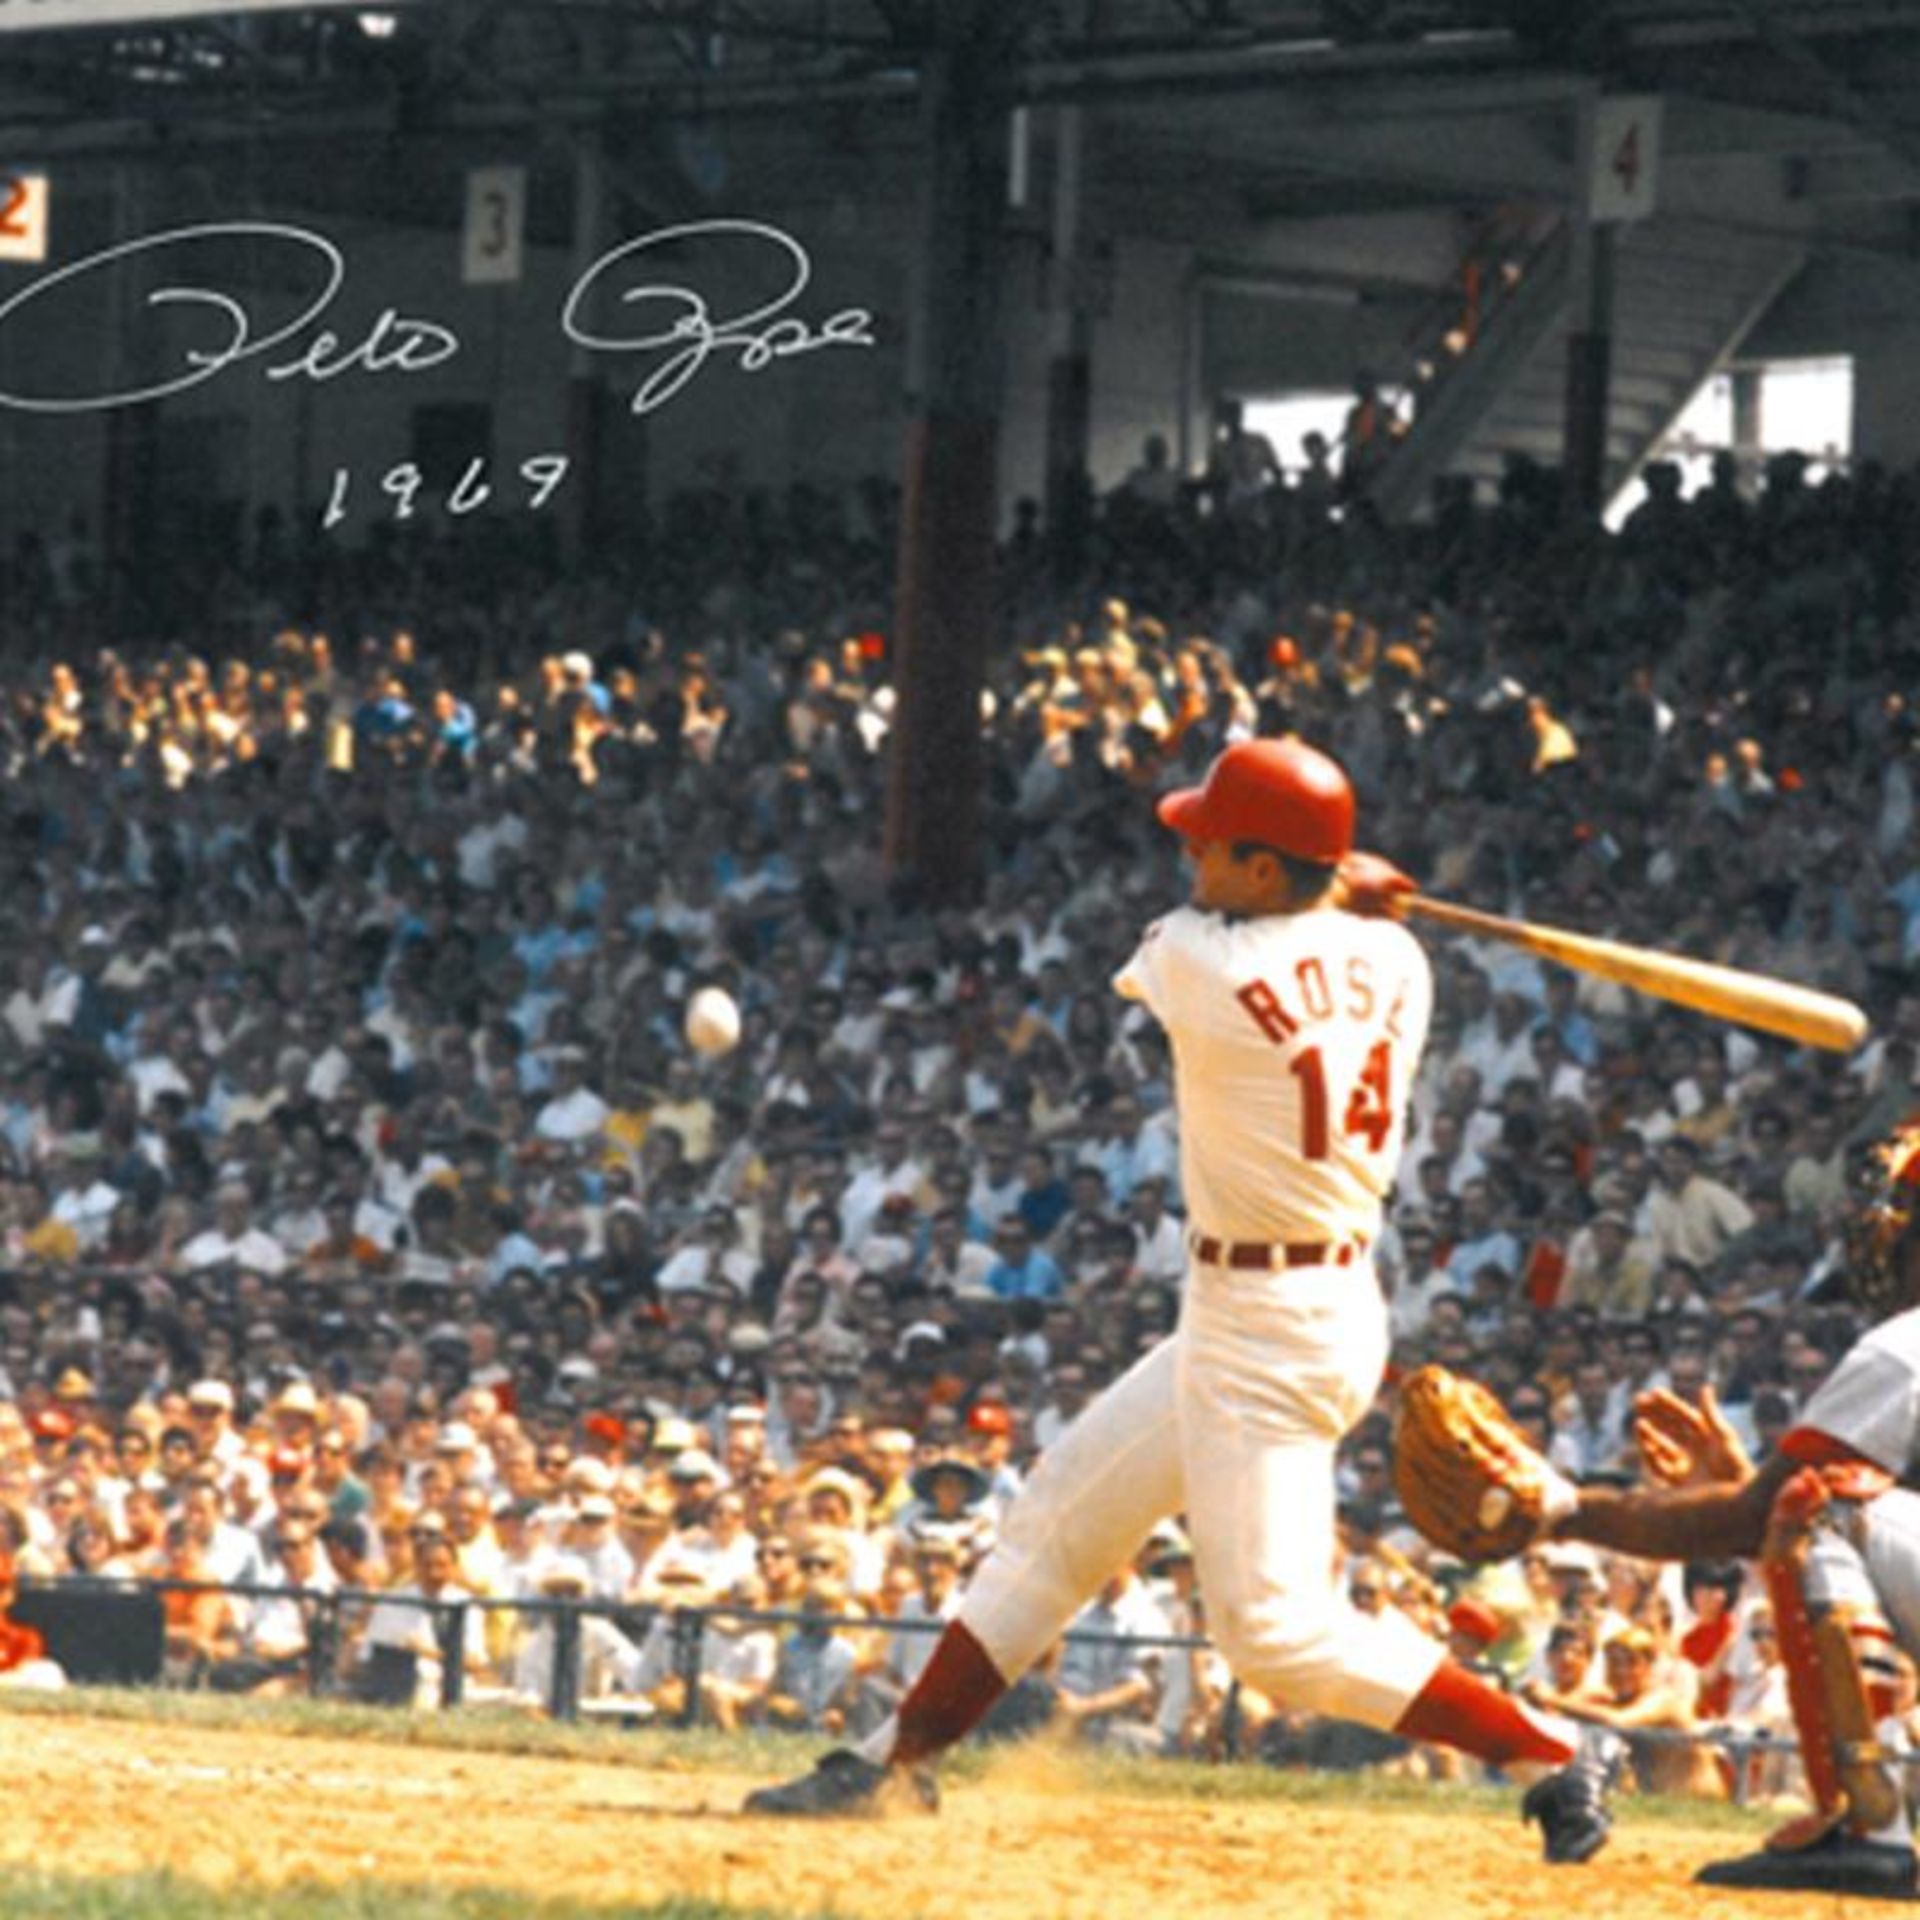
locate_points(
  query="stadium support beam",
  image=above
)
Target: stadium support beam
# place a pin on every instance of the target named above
(1069, 352)
(583, 518)
(944, 589)
(1069, 498)
(1589, 378)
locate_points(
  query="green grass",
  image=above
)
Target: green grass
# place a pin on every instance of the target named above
(772, 1755)
(476, 1729)
(41, 1895)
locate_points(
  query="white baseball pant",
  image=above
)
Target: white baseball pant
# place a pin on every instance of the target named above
(1867, 1558)
(1234, 1419)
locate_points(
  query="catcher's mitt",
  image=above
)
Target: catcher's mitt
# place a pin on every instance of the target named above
(1468, 1478)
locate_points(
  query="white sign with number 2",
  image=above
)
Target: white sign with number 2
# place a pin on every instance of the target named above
(23, 216)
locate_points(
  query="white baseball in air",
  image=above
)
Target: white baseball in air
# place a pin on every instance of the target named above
(713, 1021)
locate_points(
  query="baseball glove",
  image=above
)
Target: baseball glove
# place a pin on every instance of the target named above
(1468, 1478)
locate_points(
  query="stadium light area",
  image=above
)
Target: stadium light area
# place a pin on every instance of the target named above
(1287, 419)
(1806, 406)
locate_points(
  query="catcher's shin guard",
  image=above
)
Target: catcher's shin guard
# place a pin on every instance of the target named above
(1820, 1647)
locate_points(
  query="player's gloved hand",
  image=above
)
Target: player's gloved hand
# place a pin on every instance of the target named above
(1467, 1477)
(1372, 886)
(1686, 1445)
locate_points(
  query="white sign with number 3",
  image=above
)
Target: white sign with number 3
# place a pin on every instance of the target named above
(490, 250)
(1626, 157)
(23, 216)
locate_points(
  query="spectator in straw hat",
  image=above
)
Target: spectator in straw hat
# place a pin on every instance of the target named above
(934, 1601)
(609, 1661)
(737, 1671)
(589, 1536)
(76, 1392)
(405, 1624)
(295, 1415)
(950, 1503)
(836, 1503)
(724, 1542)
(646, 1526)
(890, 1452)
(210, 1420)
(1196, 1682)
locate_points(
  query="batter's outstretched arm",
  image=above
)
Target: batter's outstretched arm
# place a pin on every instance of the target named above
(1684, 1523)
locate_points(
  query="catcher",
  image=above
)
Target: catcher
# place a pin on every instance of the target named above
(1836, 1535)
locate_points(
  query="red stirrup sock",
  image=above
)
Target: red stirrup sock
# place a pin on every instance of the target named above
(952, 1696)
(1459, 1711)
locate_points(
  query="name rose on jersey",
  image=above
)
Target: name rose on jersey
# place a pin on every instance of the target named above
(1292, 1036)
(1370, 1107)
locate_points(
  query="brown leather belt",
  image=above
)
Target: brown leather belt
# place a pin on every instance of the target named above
(1263, 1256)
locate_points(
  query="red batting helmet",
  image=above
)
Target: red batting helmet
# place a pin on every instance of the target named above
(1279, 793)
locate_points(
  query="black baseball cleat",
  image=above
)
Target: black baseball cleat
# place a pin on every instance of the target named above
(1571, 1805)
(844, 1783)
(1837, 1863)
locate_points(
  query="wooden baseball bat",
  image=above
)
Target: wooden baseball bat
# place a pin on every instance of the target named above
(1748, 999)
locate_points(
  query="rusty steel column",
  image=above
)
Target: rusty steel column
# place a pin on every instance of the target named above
(944, 586)
(1589, 390)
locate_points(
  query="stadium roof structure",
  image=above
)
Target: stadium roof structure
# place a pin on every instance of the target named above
(1267, 108)
(1222, 128)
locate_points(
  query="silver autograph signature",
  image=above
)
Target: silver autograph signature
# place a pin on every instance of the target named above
(675, 320)
(682, 319)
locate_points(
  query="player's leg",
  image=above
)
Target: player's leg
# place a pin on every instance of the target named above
(1265, 1395)
(1266, 1392)
(1835, 1573)
(1093, 1499)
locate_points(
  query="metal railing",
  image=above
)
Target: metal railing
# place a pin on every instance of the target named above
(327, 1611)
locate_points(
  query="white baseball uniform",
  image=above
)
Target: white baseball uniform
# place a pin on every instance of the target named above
(1871, 1403)
(1865, 1555)
(1295, 1039)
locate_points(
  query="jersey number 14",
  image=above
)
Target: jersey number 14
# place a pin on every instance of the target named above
(1369, 1114)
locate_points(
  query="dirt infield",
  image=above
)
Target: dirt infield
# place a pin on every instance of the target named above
(1028, 1843)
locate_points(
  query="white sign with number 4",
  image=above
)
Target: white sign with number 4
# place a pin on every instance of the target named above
(1626, 157)
(23, 216)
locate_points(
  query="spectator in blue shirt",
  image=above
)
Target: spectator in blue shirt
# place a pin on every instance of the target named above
(1022, 1271)
(1043, 1199)
(1483, 1242)
(386, 713)
(455, 728)
(581, 679)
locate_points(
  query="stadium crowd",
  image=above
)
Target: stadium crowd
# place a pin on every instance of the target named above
(368, 1223)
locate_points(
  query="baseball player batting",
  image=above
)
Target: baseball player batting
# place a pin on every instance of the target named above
(1296, 1008)
(1837, 1539)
